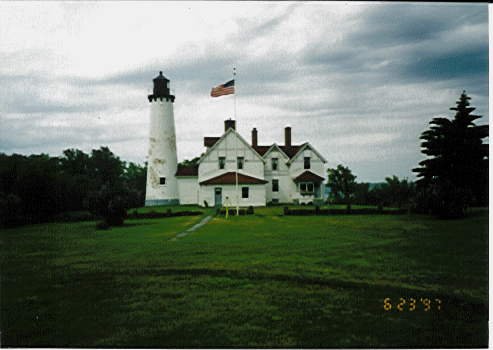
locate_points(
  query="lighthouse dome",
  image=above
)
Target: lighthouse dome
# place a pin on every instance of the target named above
(161, 88)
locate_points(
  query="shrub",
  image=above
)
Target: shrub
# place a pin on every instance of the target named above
(286, 211)
(380, 208)
(250, 210)
(443, 200)
(206, 204)
(102, 225)
(168, 212)
(348, 209)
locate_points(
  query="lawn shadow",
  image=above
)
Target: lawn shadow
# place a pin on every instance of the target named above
(136, 224)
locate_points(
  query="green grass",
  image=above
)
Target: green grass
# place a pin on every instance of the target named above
(249, 281)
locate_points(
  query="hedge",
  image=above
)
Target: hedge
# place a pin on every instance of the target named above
(352, 211)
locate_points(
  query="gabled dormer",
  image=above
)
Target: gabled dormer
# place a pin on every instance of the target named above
(229, 153)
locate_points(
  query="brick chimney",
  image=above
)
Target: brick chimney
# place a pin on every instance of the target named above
(229, 124)
(287, 136)
(254, 137)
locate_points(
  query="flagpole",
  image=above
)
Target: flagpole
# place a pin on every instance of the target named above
(236, 149)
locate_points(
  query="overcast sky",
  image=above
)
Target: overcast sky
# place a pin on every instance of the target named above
(359, 81)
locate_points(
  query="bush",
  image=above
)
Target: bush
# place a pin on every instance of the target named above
(250, 210)
(102, 225)
(286, 211)
(206, 204)
(443, 200)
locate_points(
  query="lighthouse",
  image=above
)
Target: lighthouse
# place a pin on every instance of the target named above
(162, 162)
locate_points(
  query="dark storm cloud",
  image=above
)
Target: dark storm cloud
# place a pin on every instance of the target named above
(24, 94)
(200, 73)
(405, 42)
(454, 65)
(386, 25)
(60, 136)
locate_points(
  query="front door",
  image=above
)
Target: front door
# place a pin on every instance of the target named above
(218, 197)
(317, 189)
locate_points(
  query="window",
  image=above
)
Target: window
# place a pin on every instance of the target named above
(241, 160)
(274, 163)
(309, 187)
(162, 181)
(307, 162)
(275, 185)
(222, 161)
(244, 192)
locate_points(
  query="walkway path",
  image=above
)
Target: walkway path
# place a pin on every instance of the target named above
(193, 228)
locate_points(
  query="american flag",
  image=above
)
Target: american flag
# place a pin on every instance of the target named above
(224, 89)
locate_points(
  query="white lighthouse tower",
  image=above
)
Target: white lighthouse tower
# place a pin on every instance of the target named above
(162, 186)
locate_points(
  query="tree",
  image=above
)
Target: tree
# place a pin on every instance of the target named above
(105, 167)
(397, 192)
(194, 161)
(135, 178)
(458, 158)
(112, 202)
(341, 182)
(361, 193)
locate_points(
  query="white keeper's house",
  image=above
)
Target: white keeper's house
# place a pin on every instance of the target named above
(289, 173)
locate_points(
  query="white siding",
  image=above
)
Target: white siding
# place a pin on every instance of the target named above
(297, 168)
(209, 166)
(286, 184)
(188, 190)
(256, 195)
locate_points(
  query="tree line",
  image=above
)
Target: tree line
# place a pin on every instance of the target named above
(452, 178)
(36, 188)
(345, 190)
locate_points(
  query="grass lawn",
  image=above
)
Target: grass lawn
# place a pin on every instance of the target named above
(250, 281)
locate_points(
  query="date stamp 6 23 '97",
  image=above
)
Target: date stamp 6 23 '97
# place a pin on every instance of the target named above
(412, 305)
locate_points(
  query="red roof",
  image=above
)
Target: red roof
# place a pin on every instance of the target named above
(210, 141)
(187, 170)
(308, 176)
(230, 179)
(290, 151)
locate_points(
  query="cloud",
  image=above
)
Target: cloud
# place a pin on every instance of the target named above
(360, 81)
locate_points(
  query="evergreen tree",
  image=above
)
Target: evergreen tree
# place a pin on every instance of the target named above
(458, 158)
